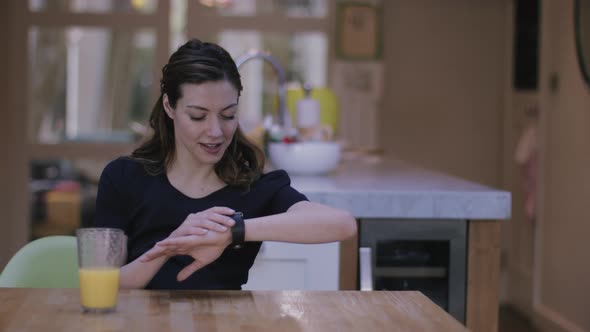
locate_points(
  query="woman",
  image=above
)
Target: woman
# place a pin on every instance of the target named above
(176, 195)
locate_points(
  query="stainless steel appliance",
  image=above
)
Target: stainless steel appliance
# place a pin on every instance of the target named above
(424, 255)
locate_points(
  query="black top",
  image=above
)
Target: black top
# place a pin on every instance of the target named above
(148, 208)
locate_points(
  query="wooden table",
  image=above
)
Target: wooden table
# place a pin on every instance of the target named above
(140, 310)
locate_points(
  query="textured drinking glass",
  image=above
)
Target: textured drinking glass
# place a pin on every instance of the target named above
(101, 252)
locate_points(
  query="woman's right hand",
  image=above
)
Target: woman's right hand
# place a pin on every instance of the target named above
(194, 239)
(215, 219)
(204, 249)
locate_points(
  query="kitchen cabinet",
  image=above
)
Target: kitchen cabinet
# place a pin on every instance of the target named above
(281, 266)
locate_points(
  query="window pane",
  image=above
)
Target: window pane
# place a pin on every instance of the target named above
(291, 8)
(63, 195)
(178, 37)
(88, 84)
(95, 6)
(302, 55)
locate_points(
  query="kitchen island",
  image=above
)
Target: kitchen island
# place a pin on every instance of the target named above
(392, 190)
(395, 189)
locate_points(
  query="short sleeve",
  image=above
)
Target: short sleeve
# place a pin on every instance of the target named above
(111, 207)
(284, 196)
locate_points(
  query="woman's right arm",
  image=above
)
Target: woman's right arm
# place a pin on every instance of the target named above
(137, 274)
(112, 204)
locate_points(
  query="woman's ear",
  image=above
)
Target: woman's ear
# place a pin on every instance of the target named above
(167, 108)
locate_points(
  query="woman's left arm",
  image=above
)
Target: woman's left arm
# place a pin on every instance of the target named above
(304, 222)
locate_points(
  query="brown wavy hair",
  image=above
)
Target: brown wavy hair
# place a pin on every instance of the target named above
(198, 62)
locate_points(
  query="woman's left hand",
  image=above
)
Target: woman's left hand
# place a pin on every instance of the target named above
(203, 248)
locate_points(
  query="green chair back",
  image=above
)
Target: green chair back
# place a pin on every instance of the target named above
(48, 262)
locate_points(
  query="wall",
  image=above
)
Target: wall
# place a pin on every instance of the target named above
(13, 199)
(562, 268)
(444, 85)
(518, 233)
(5, 30)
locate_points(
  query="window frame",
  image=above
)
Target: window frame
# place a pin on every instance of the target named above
(159, 22)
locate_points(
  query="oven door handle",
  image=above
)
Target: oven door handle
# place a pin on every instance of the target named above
(366, 269)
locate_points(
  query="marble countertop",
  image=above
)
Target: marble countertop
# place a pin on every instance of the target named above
(395, 189)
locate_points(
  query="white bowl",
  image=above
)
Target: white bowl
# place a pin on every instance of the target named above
(305, 158)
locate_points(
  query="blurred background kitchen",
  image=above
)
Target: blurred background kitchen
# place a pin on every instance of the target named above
(492, 91)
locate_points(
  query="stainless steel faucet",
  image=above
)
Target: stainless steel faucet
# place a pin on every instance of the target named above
(283, 117)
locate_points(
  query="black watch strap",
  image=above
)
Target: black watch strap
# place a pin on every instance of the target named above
(238, 231)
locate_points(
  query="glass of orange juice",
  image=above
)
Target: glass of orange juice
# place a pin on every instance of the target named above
(101, 252)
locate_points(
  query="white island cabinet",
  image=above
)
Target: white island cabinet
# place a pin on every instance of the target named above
(281, 266)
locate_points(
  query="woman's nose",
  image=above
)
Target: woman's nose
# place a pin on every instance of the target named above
(214, 127)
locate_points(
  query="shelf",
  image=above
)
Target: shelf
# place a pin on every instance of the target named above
(411, 272)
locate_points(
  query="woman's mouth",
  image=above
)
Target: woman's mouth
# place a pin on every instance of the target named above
(211, 148)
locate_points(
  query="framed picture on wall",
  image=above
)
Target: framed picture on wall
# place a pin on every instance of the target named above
(358, 29)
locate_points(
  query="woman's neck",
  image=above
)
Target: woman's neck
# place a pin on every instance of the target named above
(193, 180)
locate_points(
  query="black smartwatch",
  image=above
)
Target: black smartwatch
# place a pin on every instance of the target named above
(238, 231)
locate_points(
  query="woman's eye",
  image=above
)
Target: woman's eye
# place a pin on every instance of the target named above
(195, 118)
(228, 117)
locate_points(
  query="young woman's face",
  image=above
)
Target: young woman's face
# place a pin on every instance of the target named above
(205, 120)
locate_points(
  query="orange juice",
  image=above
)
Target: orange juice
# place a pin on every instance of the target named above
(99, 287)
